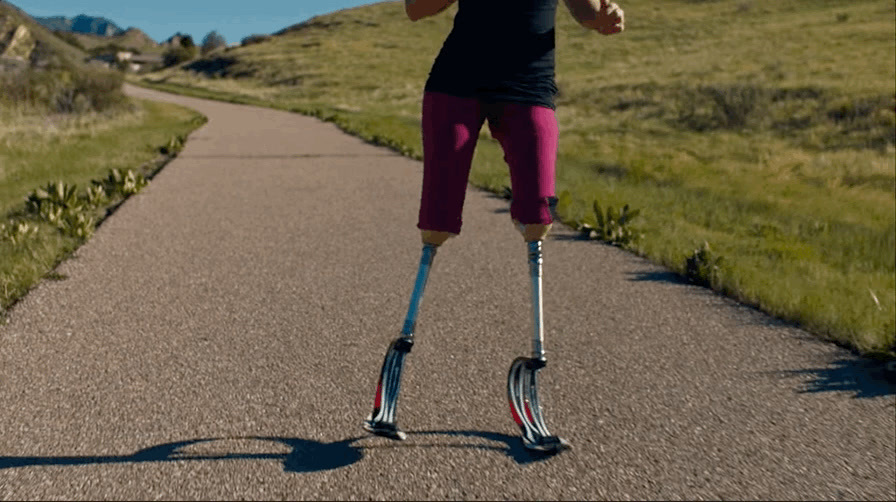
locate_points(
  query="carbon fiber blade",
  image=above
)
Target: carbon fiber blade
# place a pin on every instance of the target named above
(535, 404)
(393, 386)
(516, 387)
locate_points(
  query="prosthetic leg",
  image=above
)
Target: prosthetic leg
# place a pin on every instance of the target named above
(382, 420)
(522, 386)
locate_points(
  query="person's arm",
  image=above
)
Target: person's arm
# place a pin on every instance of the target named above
(418, 9)
(603, 16)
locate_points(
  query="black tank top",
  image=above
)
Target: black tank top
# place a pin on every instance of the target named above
(499, 50)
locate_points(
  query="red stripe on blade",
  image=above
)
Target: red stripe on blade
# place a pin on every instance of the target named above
(379, 396)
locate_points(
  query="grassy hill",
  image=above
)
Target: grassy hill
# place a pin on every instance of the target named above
(132, 38)
(22, 38)
(762, 129)
(44, 74)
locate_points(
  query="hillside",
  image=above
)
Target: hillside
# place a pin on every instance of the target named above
(91, 25)
(41, 75)
(25, 42)
(132, 38)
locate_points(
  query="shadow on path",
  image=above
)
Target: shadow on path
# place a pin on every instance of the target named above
(864, 378)
(512, 447)
(304, 456)
(658, 276)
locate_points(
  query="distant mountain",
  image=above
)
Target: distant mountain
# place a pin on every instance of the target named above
(81, 24)
(55, 23)
(132, 39)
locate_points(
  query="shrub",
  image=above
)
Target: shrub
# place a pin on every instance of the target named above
(862, 122)
(63, 91)
(703, 267)
(99, 89)
(178, 55)
(186, 41)
(212, 42)
(736, 104)
(722, 106)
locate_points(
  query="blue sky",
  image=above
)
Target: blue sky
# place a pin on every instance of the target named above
(162, 18)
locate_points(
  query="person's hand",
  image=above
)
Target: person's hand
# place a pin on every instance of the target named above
(610, 18)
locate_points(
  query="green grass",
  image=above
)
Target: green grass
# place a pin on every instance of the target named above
(74, 149)
(763, 128)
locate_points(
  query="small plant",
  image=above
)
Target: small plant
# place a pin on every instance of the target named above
(17, 232)
(703, 266)
(174, 146)
(96, 195)
(54, 194)
(611, 226)
(62, 206)
(78, 224)
(72, 213)
(123, 184)
(53, 203)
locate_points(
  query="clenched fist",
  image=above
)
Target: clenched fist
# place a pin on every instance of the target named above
(610, 18)
(603, 16)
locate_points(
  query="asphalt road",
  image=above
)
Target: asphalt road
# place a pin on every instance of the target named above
(220, 338)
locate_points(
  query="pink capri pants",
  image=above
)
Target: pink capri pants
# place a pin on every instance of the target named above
(528, 135)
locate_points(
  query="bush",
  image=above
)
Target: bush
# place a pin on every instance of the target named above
(100, 89)
(212, 42)
(186, 41)
(703, 267)
(178, 55)
(722, 106)
(63, 91)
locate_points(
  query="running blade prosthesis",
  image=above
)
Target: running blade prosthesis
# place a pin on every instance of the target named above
(522, 380)
(382, 421)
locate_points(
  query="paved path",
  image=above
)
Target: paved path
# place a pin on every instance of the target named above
(220, 336)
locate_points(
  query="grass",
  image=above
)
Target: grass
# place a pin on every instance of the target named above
(765, 129)
(36, 149)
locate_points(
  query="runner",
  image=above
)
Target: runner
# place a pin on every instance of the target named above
(497, 65)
